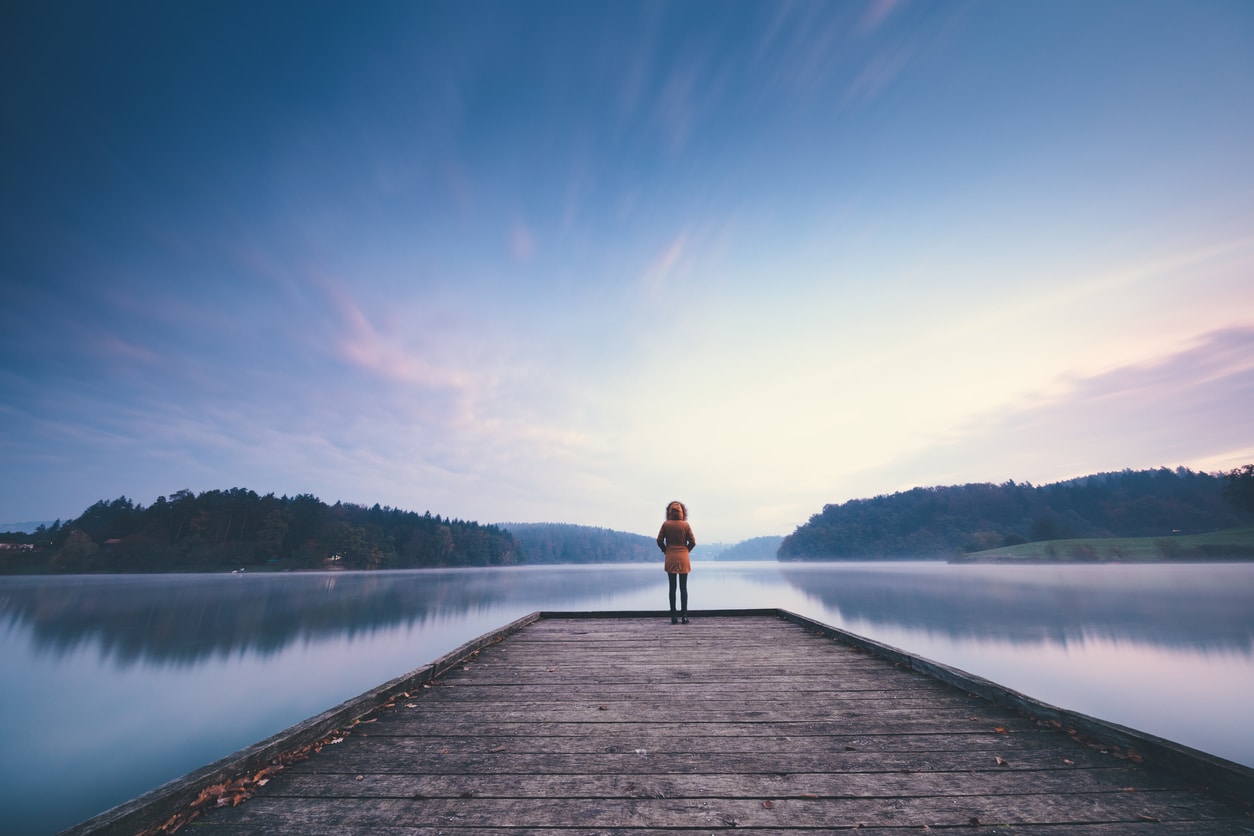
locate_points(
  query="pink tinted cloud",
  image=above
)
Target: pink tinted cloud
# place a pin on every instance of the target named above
(118, 351)
(391, 355)
(663, 268)
(874, 15)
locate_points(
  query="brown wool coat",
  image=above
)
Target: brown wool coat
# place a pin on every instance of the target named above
(675, 540)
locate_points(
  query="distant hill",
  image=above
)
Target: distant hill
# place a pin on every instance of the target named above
(757, 548)
(944, 522)
(29, 527)
(566, 543)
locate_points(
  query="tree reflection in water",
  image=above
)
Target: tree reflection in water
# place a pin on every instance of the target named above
(1203, 608)
(185, 619)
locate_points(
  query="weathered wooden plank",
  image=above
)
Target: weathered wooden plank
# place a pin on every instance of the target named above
(711, 692)
(658, 738)
(727, 671)
(725, 738)
(715, 677)
(1139, 828)
(280, 815)
(364, 784)
(465, 725)
(866, 718)
(719, 676)
(631, 652)
(398, 760)
(749, 723)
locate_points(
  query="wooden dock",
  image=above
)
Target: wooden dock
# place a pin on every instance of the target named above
(762, 722)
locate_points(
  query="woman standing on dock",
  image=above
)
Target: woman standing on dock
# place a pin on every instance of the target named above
(676, 541)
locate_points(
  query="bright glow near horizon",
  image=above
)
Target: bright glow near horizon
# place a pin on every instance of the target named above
(560, 262)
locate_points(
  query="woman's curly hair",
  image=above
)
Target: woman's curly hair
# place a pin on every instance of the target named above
(683, 509)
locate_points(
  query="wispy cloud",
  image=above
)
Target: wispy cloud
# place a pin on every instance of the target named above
(394, 356)
(881, 70)
(675, 108)
(1228, 254)
(875, 14)
(522, 244)
(116, 351)
(663, 270)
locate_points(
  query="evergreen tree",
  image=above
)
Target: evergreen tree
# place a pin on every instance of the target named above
(1239, 489)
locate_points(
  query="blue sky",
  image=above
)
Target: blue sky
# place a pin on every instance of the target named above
(568, 261)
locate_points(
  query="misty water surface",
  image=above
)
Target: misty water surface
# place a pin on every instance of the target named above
(116, 684)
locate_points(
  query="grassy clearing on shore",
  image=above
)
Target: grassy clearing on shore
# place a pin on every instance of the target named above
(1229, 544)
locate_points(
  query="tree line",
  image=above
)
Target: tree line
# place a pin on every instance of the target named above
(952, 520)
(237, 528)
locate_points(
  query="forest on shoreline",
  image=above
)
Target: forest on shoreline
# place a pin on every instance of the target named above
(955, 521)
(228, 530)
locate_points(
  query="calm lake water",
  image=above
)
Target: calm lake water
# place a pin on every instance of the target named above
(114, 685)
